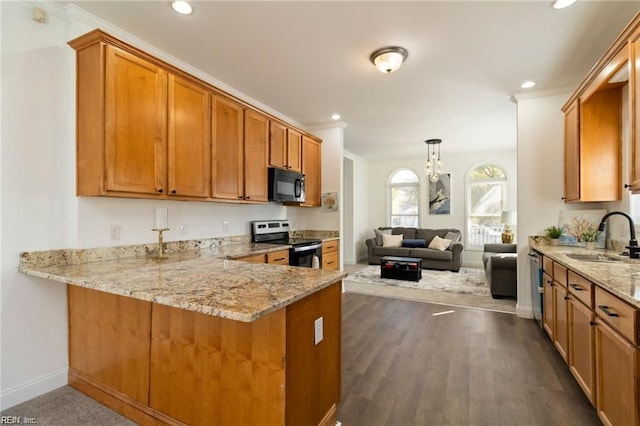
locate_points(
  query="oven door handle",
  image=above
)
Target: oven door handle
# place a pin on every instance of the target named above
(307, 248)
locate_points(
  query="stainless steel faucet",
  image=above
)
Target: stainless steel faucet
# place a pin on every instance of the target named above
(634, 250)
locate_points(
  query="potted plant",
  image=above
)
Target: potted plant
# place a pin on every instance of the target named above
(553, 233)
(590, 236)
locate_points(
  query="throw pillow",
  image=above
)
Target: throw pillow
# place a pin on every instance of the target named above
(391, 240)
(453, 236)
(379, 233)
(439, 243)
(414, 243)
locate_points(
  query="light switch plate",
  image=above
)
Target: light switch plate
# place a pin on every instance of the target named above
(318, 334)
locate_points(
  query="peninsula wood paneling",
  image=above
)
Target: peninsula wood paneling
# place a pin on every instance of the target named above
(313, 371)
(114, 356)
(208, 370)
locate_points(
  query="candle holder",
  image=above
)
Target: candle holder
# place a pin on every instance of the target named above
(160, 224)
(160, 254)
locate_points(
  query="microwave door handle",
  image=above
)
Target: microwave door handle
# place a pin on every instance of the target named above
(298, 188)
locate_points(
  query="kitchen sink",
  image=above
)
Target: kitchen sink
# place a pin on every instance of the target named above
(594, 257)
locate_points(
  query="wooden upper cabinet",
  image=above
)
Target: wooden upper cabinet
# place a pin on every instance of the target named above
(135, 124)
(189, 141)
(277, 145)
(294, 150)
(312, 169)
(634, 80)
(227, 149)
(572, 153)
(256, 139)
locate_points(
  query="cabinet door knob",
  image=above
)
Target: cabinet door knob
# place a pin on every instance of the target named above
(173, 192)
(608, 311)
(627, 186)
(593, 323)
(247, 198)
(562, 198)
(240, 197)
(566, 298)
(160, 190)
(576, 287)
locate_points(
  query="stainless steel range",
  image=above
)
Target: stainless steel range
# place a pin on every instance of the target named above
(301, 253)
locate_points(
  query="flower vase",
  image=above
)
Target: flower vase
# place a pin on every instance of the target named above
(590, 245)
(555, 241)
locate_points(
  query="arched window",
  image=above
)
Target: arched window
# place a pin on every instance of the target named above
(404, 199)
(486, 191)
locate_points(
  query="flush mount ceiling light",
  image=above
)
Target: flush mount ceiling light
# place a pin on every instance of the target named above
(181, 7)
(561, 4)
(389, 59)
(528, 84)
(433, 166)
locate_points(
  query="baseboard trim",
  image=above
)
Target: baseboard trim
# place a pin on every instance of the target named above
(33, 388)
(524, 311)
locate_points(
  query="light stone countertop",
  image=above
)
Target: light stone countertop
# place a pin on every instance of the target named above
(619, 278)
(201, 280)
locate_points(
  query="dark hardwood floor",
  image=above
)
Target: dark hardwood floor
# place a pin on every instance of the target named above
(403, 366)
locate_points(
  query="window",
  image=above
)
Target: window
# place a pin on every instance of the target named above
(404, 199)
(486, 188)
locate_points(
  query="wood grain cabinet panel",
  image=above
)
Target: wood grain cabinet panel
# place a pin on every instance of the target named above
(135, 124)
(277, 145)
(227, 149)
(581, 357)
(278, 257)
(294, 150)
(548, 313)
(312, 169)
(561, 331)
(189, 139)
(330, 255)
(256, 140)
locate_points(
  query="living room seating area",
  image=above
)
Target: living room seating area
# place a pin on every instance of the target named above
(501, 267)
(439, 249)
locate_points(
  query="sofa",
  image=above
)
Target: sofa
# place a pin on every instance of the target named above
(501, 268)
(447, 259)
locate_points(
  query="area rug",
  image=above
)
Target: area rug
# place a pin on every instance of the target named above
(467, 288)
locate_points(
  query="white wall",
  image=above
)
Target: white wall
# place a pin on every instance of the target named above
(39, 210)
(360, 228)
(457, 164)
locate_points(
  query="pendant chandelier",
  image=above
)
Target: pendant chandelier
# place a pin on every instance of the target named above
(433, 167)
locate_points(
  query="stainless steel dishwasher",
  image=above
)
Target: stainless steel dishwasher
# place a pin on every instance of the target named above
(535, 271)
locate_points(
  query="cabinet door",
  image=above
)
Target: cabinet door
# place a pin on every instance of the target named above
(135, 124)
(277, 145)
(278, 257)
(294, 150)
(635, 112)
(548, 309)
(189, 139)
(256, 137)
(617, 376)
(311, 168)
(227, 149)
(582, 346)
(561, 331)
(572, 153)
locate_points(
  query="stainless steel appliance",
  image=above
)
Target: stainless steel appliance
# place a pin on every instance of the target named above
(286, 186)
(302, 252)
(535, 270)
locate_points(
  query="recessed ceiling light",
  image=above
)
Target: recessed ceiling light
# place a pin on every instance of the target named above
(335, 117)
(528, 84)
(561, 4)
(181, 7)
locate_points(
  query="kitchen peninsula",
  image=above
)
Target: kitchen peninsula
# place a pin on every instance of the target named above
(200, 338)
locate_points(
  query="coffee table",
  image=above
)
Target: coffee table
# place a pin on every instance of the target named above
(401, 268)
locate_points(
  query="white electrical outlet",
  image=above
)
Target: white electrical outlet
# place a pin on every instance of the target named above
(184, 229)
(318, 334)
(114, 232)
(225, 226)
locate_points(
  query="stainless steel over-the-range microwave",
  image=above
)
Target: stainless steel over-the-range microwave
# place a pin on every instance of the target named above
(286, 185)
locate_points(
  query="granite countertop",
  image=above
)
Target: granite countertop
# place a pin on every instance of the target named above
(619, 278)
(201, 280)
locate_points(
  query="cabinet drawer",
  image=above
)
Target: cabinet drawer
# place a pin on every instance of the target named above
(581, 288)
(547, 265)
(560, 274)
(330, 261)
(258, 258)
(329, 247)
(278, 257)
(618, 314)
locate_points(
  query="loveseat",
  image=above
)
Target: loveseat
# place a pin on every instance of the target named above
(501, 267)
(416, 242)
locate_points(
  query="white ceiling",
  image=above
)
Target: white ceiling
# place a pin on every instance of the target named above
(308, 60)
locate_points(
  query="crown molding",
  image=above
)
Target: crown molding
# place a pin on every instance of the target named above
(325, 126)
(522, 96)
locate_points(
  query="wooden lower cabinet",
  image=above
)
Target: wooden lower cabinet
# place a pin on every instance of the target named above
(561, 332)
(330, 255)
(256, 258)
(548, 313)
(278, 257)
(158, 364)
(581, 357)
(617, 377)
